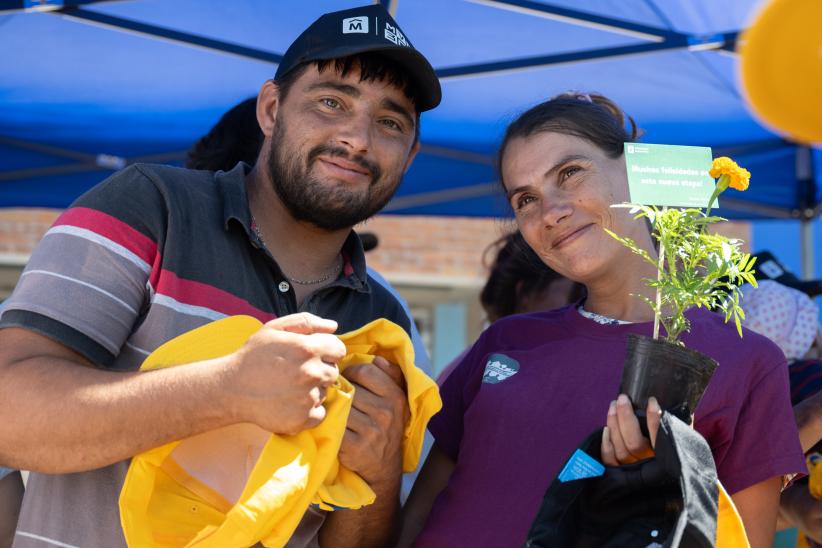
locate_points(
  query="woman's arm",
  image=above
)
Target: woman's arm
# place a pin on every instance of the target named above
(758, 506)
(432, 480)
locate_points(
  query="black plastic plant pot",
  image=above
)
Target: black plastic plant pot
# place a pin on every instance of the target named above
(676, 376)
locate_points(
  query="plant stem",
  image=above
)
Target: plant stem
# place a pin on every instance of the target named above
(660, 266)
(720, 187)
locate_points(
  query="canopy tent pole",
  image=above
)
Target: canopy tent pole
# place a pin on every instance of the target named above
(806, 199)
(84, 161)
(11, 6)
(157, 32)
(806, 241)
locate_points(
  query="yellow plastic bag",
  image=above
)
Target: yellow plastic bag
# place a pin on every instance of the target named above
(730, 531)
(239, 485)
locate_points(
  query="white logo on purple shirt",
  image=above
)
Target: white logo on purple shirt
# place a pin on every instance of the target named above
(498, 368)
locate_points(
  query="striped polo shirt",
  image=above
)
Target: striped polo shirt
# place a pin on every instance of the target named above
(150, 253)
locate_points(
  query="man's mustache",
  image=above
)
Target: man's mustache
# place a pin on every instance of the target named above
(337, 152)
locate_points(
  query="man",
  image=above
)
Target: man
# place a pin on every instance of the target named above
(236, 137)
(155, 251)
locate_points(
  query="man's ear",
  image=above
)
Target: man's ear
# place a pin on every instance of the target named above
(411, 156)
(268, 101)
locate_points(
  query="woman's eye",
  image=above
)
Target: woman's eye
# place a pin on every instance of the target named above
(523, 201)
(330, 103)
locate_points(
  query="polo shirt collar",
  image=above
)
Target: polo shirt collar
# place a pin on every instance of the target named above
(354, 268)
(232, 190)
(231, 185)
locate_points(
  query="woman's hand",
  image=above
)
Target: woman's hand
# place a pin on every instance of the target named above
(622, 440)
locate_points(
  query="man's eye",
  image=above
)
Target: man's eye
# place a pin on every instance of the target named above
(392, 124)
(330, 103)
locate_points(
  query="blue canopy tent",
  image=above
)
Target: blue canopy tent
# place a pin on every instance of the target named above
(89, 86)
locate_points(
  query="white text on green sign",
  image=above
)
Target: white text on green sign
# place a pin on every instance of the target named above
(669, 175)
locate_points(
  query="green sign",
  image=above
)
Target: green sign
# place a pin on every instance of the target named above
(669, 175)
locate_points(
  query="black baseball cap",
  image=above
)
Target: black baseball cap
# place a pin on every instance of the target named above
(358, 30)
(768, 267)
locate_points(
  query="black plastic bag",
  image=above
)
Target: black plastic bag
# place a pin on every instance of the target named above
(669, 501)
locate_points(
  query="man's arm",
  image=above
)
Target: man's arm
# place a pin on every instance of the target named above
(372, 447)
(373, 525)
(61, 415)
(758, 506)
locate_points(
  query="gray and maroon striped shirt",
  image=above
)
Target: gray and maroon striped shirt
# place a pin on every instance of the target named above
(148, 254)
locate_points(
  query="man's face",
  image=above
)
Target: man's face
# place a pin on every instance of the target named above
(339, 147)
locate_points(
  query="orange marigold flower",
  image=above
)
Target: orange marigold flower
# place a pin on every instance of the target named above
(736, 177)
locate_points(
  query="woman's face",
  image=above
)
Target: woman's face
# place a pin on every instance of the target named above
(561, 188)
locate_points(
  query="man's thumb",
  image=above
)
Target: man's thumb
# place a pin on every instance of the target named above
(303, 323)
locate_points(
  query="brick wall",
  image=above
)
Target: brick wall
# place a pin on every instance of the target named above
(449, 247)
(439, 247)
(21, 229)
(409, 246)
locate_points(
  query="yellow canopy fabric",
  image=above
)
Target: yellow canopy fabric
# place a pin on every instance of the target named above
(240, 485)
(782, 46)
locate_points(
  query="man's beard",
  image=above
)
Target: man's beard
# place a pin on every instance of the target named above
(330, 207)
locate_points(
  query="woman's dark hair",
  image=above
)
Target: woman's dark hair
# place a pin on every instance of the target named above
(516, 274)
(592, 117)
(237, 136)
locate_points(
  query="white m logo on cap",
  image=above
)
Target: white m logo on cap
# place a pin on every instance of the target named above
(355, 25)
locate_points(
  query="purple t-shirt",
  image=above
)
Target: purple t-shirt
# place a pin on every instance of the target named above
(534, 386)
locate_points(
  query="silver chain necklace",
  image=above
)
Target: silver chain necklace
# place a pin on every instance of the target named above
(334, 272)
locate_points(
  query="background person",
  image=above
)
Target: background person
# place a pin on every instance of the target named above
(535, 385)
(789, 318)
(236, 137)
(518, 282)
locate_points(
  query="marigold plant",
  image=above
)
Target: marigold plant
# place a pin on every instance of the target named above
(695, 267)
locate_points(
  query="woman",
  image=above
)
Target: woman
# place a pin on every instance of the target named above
(534, 386)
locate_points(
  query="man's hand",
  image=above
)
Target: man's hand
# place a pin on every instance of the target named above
(372, 444)
(279, 378)
(622, 440)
